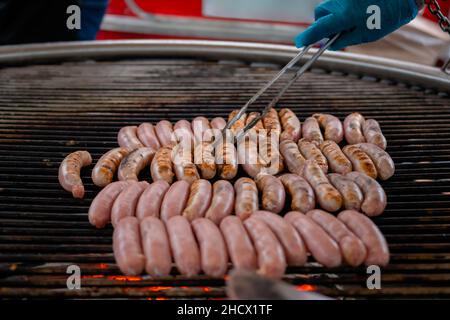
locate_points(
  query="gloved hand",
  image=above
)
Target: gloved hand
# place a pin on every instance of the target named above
(350, 17)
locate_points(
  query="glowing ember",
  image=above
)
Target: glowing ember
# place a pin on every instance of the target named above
(305, 287)
(94, 276)
(102, 266)
(157, 289)
(124, 278)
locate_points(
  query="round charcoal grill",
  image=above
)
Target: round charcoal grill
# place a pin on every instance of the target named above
(55, 99)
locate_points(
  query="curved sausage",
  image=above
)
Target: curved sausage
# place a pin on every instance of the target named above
(200, 125)
(239, 125)
(270, 254)
(310, 151)
(302, 195)
(323, 248)
(69, 172)
(370, 235)
(132, 165)
(100, 209)
(184, 246)
(183, 133)
(246, 198)
(351, 193)
(164, 132)
(127, 247)
(106, 167)
(372, 133)
(360, 160)
(352, 248)
(328, 197)
(218, 123)
(337, 160)
(147, 135)
(125, 203)
(332, 127)
(156, 247)
(174, 200)
(127, 138)
(273, 193)
(374, 196)
(292, 128)
(200, 195)
(182, 160)
(161, 167)
(213, 251)
(271, 122)
(382, 160)
(150, 200)
(292, 243)
(294, 160)
(353, 131)
(226, 160)
(205, 160)
(222, 203)
(311, 131)
(248, 154)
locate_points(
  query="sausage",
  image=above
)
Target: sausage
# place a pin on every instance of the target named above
(69, 172)
(218, 123)
(200, 195)
(213, 251)
(226, 160)
(106, 167)
(156, 247)
(271, 122)
(270, 156)
(351, 193)
(302, 195)
(127, 138)
(100, 209)
(270, 254)
(200, 126)
(205, 160)
(337, 160)
(222, 202)
(311, 131)
(147, 135)
(332, 127)
(328, 197)
(294, 160)
(322, 247)
(183, 246)
(382, 160)
(164, 132)
(174, 200)
(248, 154)
(125, 203)
(183, 133)
(361, 162)
(246, 197)
(374, 196)
(353, 131)
(258, 126)
(370, 235)
(131, 165)
(273, 193)
(292, 243)
(149, 202)
(372, 133)
(127, 247)
(352, 248)
(239, 125)
(185, 168)
(310, 151)
(161, 167)
(292, 128)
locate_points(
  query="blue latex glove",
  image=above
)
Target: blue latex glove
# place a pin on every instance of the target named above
(350, 16)
(92, 12)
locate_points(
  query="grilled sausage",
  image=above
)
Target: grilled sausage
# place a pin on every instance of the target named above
(147, 135)
(272, 122)
(322, 247)
(353, 128)
(258, 126)
(164, 132)
(311, 131)
(205, 160)
(222, 203)
(292, 128)
(370, 235)
(127, 138)
(361, 162)
(246, 198)
(125, 203)
(183, 246)
(372, 133)
(100, 209)
(226, 160)
(183, 133)
(213, 251)
(351, 193)
(310, 151)
(269, 153)
(161, 167)
(240, 248)
(302, 195)
(332, 127)
(273, 193)
(352, 248)
(127, 247)
(156, 247)
(294, 160)
(174, 200)
(248, 154)
(69, 172)
(374, 196)
(106, 167)
(218, 123)
(239, 125)
(185, 168)
(337, 160)
(328, 197)
(292, 243)
(382, 160)
(132, 165)
(150, 200)
(200, 126)
(270, 254)
(200, 195)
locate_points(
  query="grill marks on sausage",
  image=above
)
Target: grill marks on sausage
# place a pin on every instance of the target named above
(361, 161)
(69, 172)
(131, 166)
(161, 167)
(106, 167)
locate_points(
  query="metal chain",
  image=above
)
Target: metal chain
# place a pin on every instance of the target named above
(435, 9)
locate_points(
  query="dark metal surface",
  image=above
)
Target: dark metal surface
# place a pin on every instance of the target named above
(47, 111)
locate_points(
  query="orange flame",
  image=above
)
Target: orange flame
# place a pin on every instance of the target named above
(306, 287)
(125, 278)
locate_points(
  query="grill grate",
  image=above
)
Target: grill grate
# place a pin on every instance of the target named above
(47, 111)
